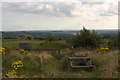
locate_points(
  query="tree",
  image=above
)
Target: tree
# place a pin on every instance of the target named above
(106, 37)
(87, 39)
(115, 42)
(28, 38)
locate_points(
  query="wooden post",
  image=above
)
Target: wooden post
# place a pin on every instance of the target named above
(39, 61)
(59, 51)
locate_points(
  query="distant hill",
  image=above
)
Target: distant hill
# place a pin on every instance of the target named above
(61, 33)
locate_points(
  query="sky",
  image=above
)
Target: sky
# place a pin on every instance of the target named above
(63, 15)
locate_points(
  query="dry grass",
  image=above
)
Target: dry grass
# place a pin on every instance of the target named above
(106, 64)
(43, 54)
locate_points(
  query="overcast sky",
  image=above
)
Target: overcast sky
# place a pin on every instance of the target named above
(59, 15)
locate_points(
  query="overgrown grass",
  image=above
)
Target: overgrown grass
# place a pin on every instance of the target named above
(54, 44)
(14, 43)
(30, 64)
(105, 65)
(36, 44)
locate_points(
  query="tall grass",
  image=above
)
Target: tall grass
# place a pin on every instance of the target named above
(106, 64)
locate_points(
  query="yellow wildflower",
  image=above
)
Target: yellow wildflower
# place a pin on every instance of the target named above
(102, 48)
(13, 72)
(2, 51)
(17, 64)
(19, 61)
(107, 48)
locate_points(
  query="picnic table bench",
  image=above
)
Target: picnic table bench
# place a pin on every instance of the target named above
(80, 61)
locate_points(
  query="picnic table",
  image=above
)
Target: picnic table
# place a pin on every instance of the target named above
(80, 61)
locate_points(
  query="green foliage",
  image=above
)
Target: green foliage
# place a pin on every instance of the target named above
(64, 64)
(87, 39)
(30, 65)
(53, 44)
(21, 37)
(9, 36)
(106, 36)
(28, 38)
(113, 43)
(102, 62)
(58, 56)
(53, 38)
(119, 40)
(68, 41)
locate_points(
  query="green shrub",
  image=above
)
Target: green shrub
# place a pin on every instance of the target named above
(53, 44)
(53, 38)
(87, 39)
(113, 43)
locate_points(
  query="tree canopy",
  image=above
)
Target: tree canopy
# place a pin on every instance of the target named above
(87, 39)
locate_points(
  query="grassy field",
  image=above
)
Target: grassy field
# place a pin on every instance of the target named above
(105, 65)
(46, 64)
(14, 43)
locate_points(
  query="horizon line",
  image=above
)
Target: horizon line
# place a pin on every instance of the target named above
(53, 30)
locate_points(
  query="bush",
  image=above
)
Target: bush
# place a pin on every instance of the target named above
(53, 44)
(53, 38)
(87, 39)
(113, 43)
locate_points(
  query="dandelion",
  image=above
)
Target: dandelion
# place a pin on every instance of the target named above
(17, 64)
(13, 72)
(19, 61)
(107, 48)
(102, 50)
(22, 51)
(2, 51)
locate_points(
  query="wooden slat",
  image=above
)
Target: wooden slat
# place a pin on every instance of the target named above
(80, 55)
(82, 66)
(71, 58)
(48, 49)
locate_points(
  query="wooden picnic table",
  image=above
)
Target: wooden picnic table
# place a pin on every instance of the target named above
(81, 61)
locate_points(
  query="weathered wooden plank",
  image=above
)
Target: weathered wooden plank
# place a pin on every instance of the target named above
(72, 58)
(91, 66)
(80, 55)
(48, 49)
(80, 66)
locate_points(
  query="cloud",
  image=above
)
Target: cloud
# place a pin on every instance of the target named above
(60, 8)
(38, 8)
(58, 15)
(110, 9)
